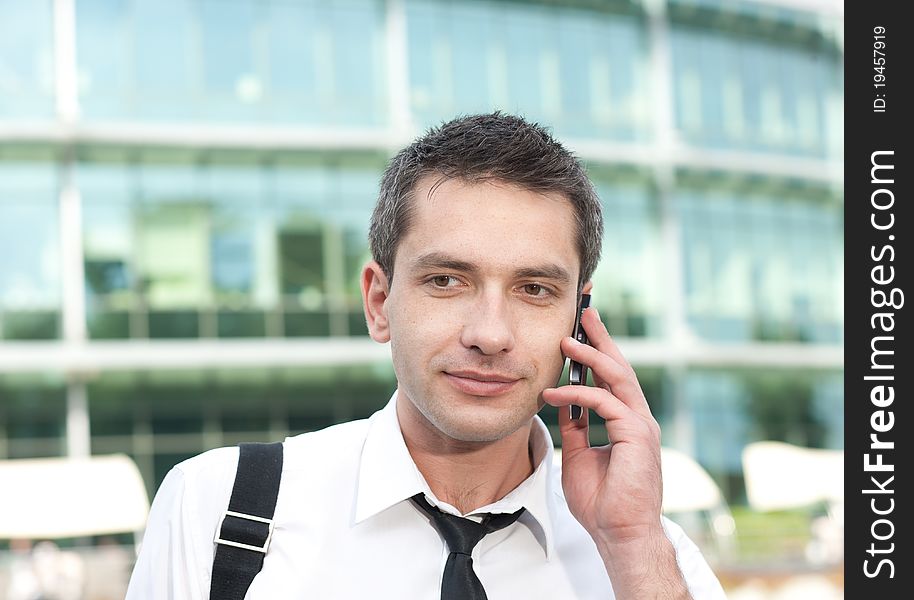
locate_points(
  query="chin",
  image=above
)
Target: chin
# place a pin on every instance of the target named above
(462, 433)
(480, 423)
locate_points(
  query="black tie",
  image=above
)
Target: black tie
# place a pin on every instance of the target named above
(462, 535)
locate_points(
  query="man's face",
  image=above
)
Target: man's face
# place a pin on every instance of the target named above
(484, 288)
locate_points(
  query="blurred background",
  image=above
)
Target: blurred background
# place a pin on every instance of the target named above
(185, 190)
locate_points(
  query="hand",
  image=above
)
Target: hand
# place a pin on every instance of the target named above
(615, 491)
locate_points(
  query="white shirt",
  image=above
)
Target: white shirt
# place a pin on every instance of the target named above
(345, 528)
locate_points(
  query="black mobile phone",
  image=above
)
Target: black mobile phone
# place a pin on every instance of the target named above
(577, 373)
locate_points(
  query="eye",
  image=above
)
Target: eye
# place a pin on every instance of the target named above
(535, 289)
(443, 281)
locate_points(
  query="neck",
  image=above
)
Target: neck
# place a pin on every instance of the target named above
(466, 475)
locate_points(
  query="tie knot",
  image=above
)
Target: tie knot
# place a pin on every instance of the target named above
(463, 534)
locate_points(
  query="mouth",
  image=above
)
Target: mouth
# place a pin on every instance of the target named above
(480, 384)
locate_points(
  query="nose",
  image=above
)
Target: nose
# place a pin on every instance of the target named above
(488, 327)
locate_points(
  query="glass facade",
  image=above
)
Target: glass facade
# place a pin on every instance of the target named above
(768, 93)
(743, 406)
(26, 60)
(303, 62)
(558, 65)
(30, 291)
(630, 278)
(225, 244)
(32, 415)
(762, 264)
(173, 415)
(226, 160)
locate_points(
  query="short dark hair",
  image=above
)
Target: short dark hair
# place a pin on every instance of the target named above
(487, 147)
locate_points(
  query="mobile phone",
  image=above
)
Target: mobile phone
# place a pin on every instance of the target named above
(577, 373)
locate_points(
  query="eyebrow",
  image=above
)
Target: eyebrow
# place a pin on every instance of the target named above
(440, 260)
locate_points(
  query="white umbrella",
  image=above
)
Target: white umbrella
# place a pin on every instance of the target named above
(70, 497)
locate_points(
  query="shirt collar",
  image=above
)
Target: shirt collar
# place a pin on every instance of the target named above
(388, 475)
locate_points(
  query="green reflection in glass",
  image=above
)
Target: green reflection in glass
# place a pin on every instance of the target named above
(174, 324)
(32, 408)
(109, 266)
(301, 255)
(224, 243)
(31, 325)
(241, 324)
(166, 416)
(306, 324)
(173, 254)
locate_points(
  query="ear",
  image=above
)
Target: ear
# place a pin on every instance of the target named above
(375, 291)
(588, 285)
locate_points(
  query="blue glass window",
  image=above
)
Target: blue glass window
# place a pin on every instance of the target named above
(165, 63)
(762, 266)
(30, 293)
(109, 262)
(26, 59)
(283, 61)
(628, 283)
(577, 70)
(237, 196)
(737, 92)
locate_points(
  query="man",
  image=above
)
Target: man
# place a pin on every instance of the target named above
(485, 233)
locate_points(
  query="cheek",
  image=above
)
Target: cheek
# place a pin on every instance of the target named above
(544, 344)
(417, 328)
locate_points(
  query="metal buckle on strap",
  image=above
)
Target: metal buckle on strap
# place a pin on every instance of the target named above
(237, 515)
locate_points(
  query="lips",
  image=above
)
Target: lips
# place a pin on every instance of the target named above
(480, 384)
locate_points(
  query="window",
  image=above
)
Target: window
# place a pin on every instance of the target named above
(628, 283)
(32, 416)
(281, 61)
(578, 70)
(26, 60)
(732, 91)
(761, 265)
(30, 293)
(109, 263)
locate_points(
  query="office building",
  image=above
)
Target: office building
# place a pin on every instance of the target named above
(185, 187)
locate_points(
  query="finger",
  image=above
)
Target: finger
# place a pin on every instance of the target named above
(619, 379)
(622, 422)
(598, 337)
(575, 432)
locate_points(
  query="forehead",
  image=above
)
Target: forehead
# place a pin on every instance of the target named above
(491, 223)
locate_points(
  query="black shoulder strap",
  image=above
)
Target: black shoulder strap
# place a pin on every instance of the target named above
(246, 528)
